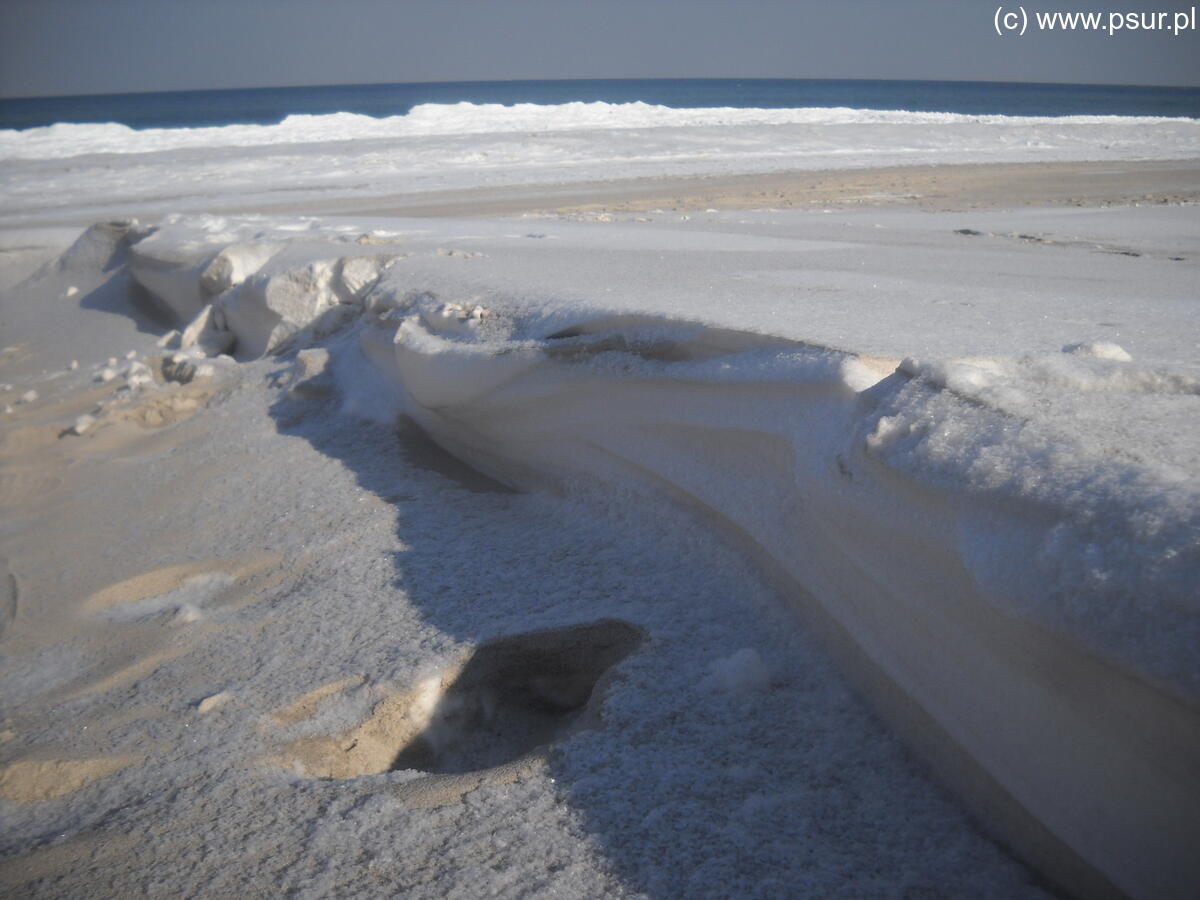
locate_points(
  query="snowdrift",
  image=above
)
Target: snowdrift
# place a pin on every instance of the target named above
(1023, 609)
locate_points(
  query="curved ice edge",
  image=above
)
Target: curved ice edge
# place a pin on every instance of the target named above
(947, 597)
(1082, 763)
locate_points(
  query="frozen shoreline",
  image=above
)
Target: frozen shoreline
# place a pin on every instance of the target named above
(238, 569)
(959, 436)
(109, 170)
(957, 526)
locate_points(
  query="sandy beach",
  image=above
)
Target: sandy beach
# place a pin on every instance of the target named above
(934, 187)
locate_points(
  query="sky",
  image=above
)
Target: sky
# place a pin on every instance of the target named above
(111, 46)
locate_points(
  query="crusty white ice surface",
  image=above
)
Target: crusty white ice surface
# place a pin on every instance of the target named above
(1006, 332)
(1011, 319)
(732, 760)
(880, 402)
(95, 169)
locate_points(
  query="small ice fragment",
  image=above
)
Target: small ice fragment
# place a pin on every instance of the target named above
(111, 362)
(7, 409)
(83, 423)
(168, 339)
(139, 379)
(885, 428)
(74, 365)
(5, 387)
(205, 371)
(28, 397)
(1100, 350)
(210, 703)
(132, 354)
(72, 291)
(187, 614)
(106, 375)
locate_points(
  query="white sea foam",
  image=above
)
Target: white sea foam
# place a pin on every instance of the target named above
(432, 119)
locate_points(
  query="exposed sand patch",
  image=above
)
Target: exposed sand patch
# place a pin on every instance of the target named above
(40, 447)
(116, 675)
(25, 439)
(306, 707)
(158, 410)
(162, 581)
(21, 484)
(932, 187)
(136, 625)
(31, 781)
(208, 704)
(487, 717)
(369, 748)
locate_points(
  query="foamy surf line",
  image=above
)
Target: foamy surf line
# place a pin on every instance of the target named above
(461, 119)
(940, 538)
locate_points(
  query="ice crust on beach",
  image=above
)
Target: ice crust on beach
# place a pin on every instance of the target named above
(984, 487)
(989, 427)
(973, 506)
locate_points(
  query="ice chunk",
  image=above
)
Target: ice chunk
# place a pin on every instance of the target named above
(359, 274)
(100, 247)
(235, 264)
(1100, 350)
(203, 331)
(208, 704)
(287, 295)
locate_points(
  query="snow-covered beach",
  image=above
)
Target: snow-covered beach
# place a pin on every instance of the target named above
(823, 547)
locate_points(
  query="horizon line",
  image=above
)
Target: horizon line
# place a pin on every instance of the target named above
(589, 78)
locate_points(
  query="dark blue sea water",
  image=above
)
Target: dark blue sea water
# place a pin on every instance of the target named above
(265, 106)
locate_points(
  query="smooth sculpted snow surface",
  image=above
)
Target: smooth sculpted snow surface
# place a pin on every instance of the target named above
(1012, 580)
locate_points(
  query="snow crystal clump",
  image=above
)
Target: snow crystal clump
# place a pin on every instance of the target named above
(741, 673)
(1100, 350)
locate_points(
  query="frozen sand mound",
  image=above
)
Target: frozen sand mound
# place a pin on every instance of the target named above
(1019, 599)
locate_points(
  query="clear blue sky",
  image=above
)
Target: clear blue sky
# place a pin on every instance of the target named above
(97, 46)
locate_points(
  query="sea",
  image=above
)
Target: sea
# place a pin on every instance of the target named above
(269, 106)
